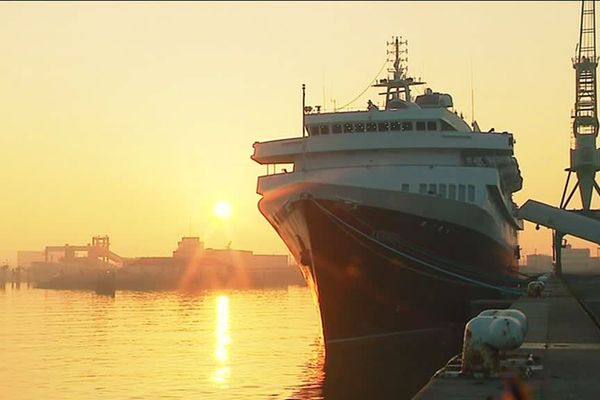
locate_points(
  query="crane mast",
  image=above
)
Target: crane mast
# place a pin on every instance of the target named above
(584, 156)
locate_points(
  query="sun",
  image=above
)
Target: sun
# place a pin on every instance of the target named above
(222, 210)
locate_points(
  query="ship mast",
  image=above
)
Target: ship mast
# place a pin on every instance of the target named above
(398, 70)
(585, 158)
(398, 84)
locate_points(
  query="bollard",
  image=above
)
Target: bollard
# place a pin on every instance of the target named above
(544, 277)
(510, 312)
(487, 335)
(535, 288)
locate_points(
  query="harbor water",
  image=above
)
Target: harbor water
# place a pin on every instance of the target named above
(214, 345)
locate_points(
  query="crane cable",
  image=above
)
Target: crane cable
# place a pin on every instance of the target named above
(367, 88)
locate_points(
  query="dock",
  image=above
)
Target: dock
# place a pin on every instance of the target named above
(564, 335)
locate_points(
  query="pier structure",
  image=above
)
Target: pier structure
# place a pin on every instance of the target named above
(3, 273)
(563, 338)
(98, 250)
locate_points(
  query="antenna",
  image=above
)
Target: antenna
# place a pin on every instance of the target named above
(584, 160)
(324, 102)
(396, 48)
(303, 110)
(472, 97)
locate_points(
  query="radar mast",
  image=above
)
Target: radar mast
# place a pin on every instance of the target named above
(398, 84)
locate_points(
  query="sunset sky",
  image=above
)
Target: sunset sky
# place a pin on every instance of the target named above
(135, 119)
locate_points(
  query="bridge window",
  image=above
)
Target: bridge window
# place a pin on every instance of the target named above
(313, 130)
(336, 128)
(395, 126)
(371, 127)
(431, 126)
(471, 193)
(423, 188)
(442, 191)
(324, 129)
(348, 128)
(359, 127)
(405, 187)
(407, 126)
(420, 125)
(447, 127)
(461, 193)
(383, 126)
(452, 192)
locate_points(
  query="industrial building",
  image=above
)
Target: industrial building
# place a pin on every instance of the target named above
(191, 267)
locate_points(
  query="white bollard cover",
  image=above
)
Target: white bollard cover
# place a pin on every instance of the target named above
(510, 312)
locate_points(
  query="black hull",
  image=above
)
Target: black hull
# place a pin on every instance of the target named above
(360, 262)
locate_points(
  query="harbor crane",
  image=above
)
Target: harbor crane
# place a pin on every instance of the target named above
(584, 155)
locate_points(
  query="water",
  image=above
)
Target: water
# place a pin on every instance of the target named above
(226, 345)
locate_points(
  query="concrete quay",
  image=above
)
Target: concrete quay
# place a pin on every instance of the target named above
(563, 335)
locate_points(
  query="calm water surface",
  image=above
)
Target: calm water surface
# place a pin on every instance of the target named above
(70, 344)
(228, 345)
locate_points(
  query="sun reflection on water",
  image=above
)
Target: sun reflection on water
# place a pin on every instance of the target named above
(222, 341)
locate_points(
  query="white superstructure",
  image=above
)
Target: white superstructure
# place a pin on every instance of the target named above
(474, 168)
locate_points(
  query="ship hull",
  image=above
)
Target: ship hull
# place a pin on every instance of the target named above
(376, 272)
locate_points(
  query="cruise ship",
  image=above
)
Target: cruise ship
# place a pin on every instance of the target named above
(398, 215)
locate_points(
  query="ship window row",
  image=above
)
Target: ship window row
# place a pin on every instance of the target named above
(382, 126)
(447, 191)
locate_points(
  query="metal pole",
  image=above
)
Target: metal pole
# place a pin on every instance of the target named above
(597, 187)
(303, 110)
(557, 245)
(570, 195)
(562, 199)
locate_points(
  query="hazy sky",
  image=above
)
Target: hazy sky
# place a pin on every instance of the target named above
(132, 119)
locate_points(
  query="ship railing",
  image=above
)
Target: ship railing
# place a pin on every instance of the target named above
(330, 110)
(279, 169)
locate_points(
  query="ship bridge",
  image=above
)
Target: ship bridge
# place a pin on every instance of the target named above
(413, 119)
(400, 112)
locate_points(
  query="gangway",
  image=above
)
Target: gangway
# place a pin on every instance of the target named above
(584, 224)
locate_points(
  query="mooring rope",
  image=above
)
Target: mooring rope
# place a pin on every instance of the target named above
(420, 251)
(417, 260)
